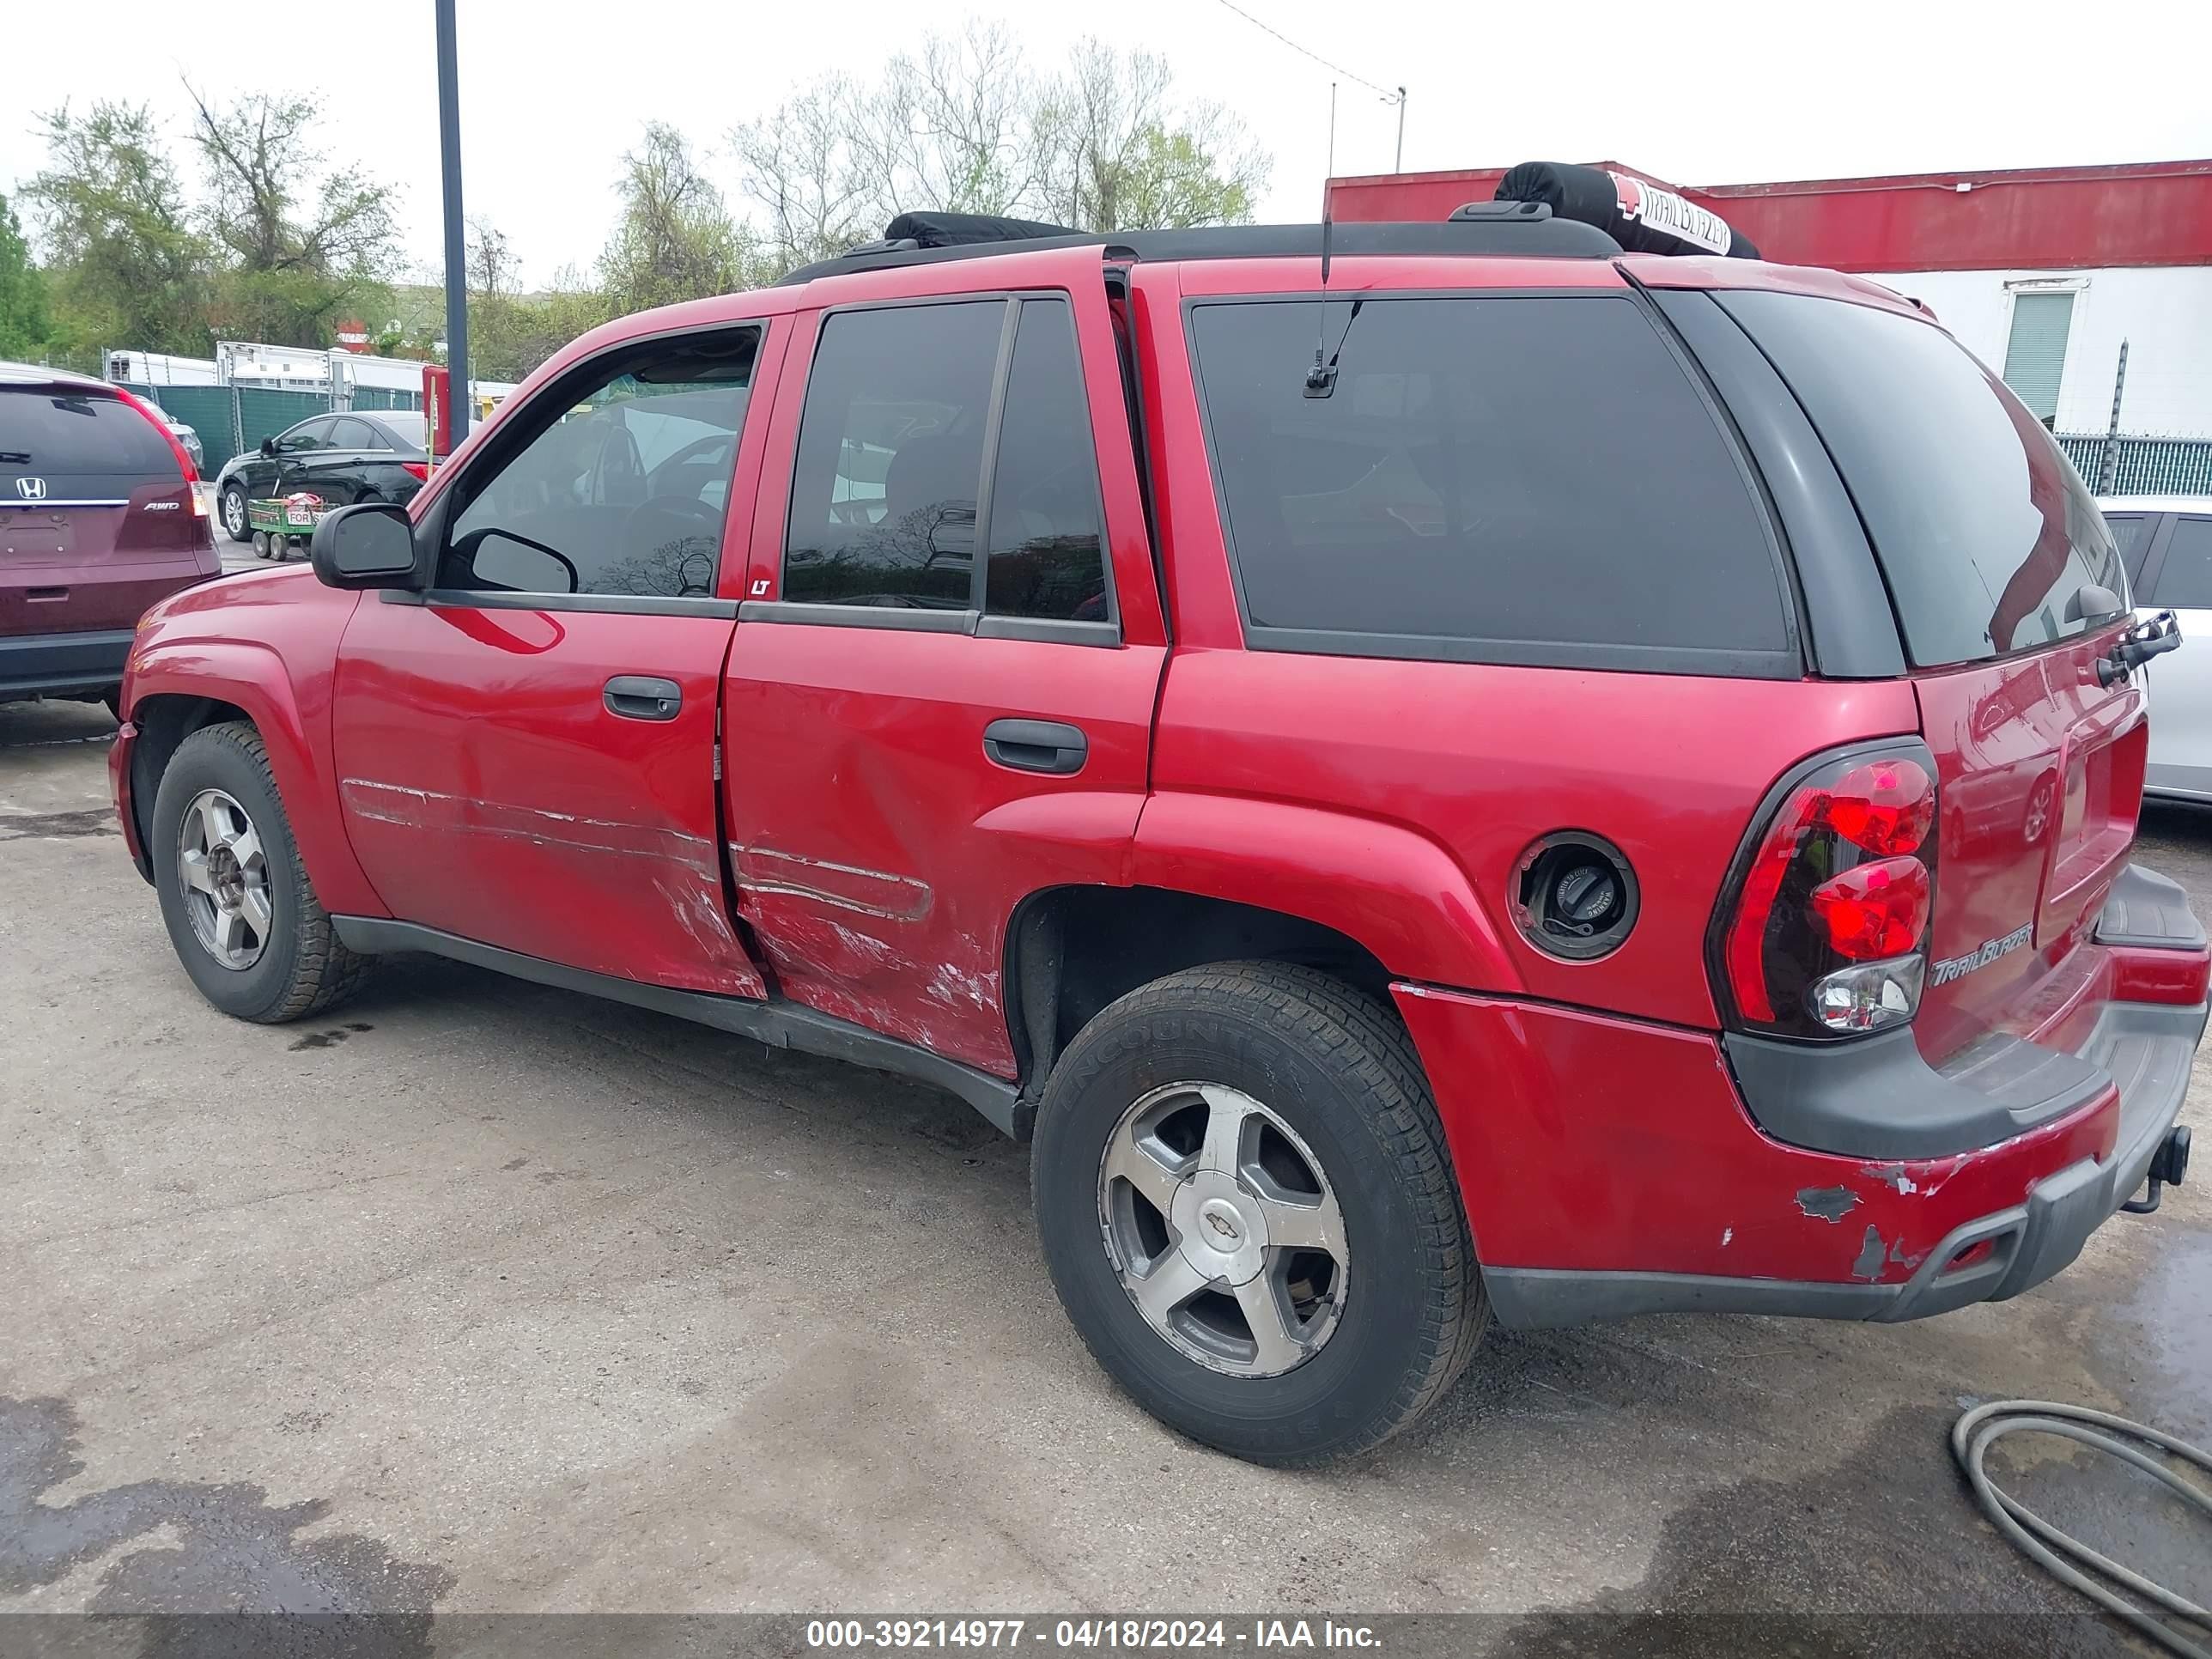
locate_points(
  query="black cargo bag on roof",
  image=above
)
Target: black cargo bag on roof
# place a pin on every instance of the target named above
(1641, 217)
(965, 229)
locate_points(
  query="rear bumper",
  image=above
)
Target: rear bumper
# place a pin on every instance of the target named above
(1611, 1168)
(58, 665)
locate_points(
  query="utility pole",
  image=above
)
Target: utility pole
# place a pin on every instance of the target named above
(2108, 461)
(1398, 164)
(456, 267)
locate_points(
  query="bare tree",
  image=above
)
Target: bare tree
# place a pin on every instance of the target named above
(958, 129)
(492, 271)
(799, 170)
(967, 125)
(1122, 157)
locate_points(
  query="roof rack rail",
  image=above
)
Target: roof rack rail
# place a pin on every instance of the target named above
(1502, 228)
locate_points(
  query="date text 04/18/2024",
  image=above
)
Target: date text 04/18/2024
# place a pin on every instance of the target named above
(1123, 1633)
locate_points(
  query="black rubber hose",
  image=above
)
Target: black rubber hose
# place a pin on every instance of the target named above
(1975, 1430)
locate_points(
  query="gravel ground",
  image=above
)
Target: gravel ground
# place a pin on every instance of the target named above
(482, 1297)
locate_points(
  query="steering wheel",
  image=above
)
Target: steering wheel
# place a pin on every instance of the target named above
(674, 507)
(678, 513)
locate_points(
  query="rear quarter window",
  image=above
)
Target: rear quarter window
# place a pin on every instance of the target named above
(1985, 534)
(60, 434)
(1516, 478)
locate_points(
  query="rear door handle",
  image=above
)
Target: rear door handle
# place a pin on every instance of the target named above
(643, 697)
(1037, 746)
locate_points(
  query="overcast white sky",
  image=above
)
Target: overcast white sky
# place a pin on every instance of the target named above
(553, 90)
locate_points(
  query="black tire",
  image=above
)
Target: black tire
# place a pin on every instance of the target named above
(238, 531)
(1339, 1069)
(303, 968)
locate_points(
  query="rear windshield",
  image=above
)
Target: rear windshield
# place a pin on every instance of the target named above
(1524, 478)
(55, 436)
(1985, 534)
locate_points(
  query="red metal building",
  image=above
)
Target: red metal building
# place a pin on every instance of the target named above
(2147, 213)
(2043, 272)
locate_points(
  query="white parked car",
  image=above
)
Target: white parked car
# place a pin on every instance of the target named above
(2166, 541)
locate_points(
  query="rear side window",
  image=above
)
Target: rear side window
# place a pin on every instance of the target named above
(1983, 531)
(890, 457)
(2131, 535)
(2185, 580)
(1045, 556)
(1521, 478)
(57, 437)
(353, 434)
(404, 427)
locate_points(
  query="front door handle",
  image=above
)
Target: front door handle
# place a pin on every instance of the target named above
(1037, 746)
(643, 697)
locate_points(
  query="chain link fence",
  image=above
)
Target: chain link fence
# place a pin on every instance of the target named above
(2141, 466)
(233, 419)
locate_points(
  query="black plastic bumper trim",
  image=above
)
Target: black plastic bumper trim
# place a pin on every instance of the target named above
(2148, 911)
(63, 662)
(779, 1023)
(1876, 1097)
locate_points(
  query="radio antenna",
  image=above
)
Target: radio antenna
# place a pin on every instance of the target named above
(1320, 378)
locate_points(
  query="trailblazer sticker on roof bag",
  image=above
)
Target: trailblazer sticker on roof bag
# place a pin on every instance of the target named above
(1641, 217)
(1664, 211)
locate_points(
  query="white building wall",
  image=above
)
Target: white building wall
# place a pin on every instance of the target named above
(2164, 312)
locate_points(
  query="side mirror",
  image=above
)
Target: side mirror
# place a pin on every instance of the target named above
(2092, 601)
(369, 545)
(269, 446)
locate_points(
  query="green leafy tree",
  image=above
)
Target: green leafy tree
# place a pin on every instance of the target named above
(304, 244)
(675, 240)
(126, 266)
(24, 323)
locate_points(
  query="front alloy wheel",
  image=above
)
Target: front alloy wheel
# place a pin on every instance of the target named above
(224, 875)
(234, 514)
(1223, 1229)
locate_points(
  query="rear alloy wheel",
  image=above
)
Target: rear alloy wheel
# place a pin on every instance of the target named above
(1223, 1229)
(233, 513)
(1249, 1212)
(245, 922)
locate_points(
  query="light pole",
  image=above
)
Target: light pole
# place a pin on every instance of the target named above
(457, 269)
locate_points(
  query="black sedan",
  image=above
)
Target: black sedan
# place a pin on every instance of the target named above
(369, 455)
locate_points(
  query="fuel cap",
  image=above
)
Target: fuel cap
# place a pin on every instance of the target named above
(1574, 896)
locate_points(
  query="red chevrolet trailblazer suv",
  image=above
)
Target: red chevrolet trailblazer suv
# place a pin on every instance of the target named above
(1606, 788)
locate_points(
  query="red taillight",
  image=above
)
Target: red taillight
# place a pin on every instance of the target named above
(176, 445)
(1874, 910)
(1841, 876)
(1886, 807)
(420, 469)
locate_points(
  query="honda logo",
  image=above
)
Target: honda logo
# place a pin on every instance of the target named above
(30, 489)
